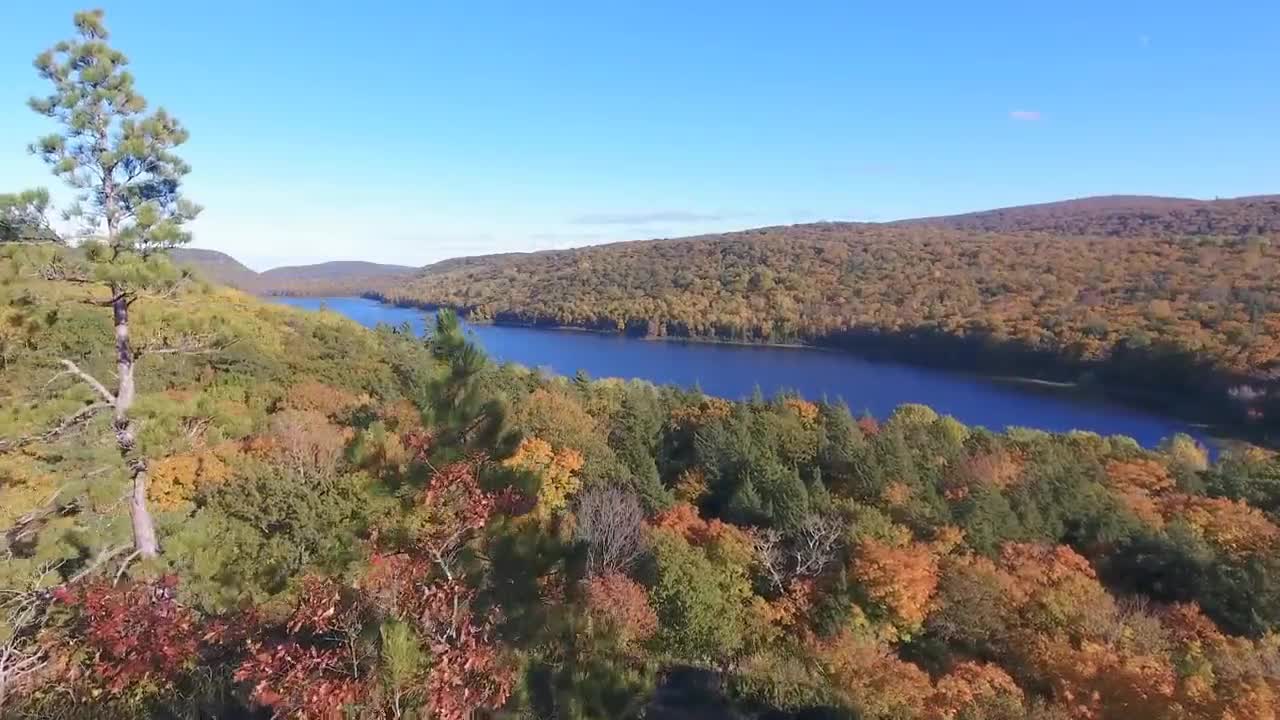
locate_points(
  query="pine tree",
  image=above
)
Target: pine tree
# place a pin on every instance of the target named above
(457, 404)
(24, 217)
(121, 159)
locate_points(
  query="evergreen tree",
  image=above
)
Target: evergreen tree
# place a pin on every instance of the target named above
(24, 217)
(121, 159)
(458, 405)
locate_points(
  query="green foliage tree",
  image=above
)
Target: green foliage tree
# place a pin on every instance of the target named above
(458, 404)
(24, 217)
(700, 603)
(257, 534)
(121, 160)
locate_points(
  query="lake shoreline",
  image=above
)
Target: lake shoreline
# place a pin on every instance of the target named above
(861, 387)
(1140, 400)
(1145, 399)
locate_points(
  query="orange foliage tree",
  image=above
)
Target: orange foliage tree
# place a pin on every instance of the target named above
(900, 579)
(621, 604)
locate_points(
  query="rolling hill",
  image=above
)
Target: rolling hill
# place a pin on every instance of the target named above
(329, 278)
(216, 266)
(1125, 216)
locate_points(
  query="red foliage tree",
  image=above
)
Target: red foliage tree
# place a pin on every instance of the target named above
(623, 604)
(449, 512)
(313, 672)
(134, 633)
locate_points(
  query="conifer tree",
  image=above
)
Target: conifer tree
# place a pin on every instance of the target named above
(24, 217)
(120, 158)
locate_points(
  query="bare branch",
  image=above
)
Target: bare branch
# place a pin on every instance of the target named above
(611, 525)
(804, 552)
(73, 420)
(815, 544)
(25, 612)
(102, 559)
(768, 547)
(125, 566)
(91, 380)
(185, 344)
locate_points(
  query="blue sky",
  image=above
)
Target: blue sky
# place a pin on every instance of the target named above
(404, 131)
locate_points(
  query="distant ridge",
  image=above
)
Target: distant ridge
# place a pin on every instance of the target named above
(1131, 216)
(216, 266)
(337, 277)
(1124, 216)
(333, 269)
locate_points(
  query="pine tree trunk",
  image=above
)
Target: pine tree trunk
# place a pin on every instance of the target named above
(144, 531)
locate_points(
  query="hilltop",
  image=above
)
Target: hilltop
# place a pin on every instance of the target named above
(217, 267)
(329, 278)
(1125, 216)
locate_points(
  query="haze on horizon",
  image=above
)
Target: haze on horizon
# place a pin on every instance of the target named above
(407, 134)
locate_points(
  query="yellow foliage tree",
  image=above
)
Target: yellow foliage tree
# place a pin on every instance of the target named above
(1235, 527)
(558, 470)
(805, 410)
(177, 478)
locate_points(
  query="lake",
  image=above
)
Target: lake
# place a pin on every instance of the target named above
(735, 371)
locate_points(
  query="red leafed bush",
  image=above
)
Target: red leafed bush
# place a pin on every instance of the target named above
(468, 670)
(135, 633)
(301, 681)
(311, 673)
(621, 602)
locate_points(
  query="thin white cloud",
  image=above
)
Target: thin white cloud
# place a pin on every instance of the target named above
(1144, 40)
(1025, 115)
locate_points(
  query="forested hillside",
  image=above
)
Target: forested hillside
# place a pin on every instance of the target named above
(364, 524)
(1190, 321)
(216, 267)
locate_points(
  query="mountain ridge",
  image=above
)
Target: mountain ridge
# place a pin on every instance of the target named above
(335, 276)
(1123, 216)
(1106, 215)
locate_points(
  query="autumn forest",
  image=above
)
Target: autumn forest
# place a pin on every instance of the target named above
(216, 507)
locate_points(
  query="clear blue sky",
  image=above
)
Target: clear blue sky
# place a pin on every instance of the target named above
(405, 131)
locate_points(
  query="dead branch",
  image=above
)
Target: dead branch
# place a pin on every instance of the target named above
(815, 544)
(773, 561)
(73, 420)
(125, 566)
(91, 380)
(186, 344)
(102, 558)
(611, 525)
(803, 552)
(25, 612)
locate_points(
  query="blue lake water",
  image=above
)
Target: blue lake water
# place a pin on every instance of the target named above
(734, 371)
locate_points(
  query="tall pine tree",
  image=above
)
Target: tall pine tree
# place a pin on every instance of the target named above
(120, 158)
